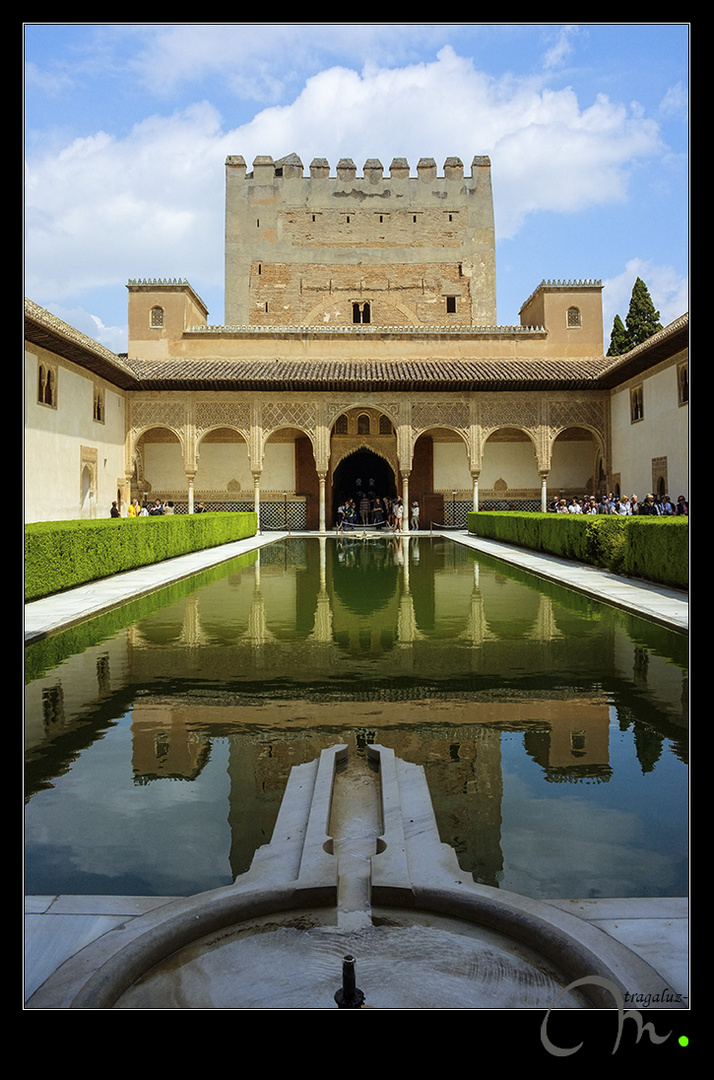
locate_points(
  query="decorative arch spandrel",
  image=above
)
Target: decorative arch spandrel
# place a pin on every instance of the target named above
(589, 415)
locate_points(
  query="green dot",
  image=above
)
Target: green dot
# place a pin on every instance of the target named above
(683, 1040)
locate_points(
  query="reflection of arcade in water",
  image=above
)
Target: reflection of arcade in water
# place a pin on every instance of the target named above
(407, 643)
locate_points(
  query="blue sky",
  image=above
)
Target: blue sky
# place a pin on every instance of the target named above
(128, 125)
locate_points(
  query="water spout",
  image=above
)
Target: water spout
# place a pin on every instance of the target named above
(349, 996)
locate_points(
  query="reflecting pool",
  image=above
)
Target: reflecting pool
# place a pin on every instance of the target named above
(552, 728)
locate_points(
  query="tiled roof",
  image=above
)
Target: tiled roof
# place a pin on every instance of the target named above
(596, 373)
(367, 375)
(46, 330)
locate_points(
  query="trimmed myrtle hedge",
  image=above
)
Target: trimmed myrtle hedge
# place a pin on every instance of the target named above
(653, 548)
(61, 555)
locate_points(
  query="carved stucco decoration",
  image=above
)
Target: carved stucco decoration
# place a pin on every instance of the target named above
(210, 415)
(446, 414)
(158, 413)
(591, 415)
(383, 446)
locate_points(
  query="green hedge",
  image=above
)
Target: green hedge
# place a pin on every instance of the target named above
(656, 549)
(61, 555)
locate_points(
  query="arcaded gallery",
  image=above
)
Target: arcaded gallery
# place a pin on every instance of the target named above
(360, 353)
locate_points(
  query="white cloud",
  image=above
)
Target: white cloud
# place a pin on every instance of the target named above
(104, 208)
(561, 49)
(675, 102)
(549, 152)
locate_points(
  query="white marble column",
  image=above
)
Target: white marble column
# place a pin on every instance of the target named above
(474, 477)
(256, 497)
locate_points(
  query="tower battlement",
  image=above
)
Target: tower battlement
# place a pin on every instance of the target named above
(334, 248)
(291, 168)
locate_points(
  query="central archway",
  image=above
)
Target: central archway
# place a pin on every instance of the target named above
(362, 471)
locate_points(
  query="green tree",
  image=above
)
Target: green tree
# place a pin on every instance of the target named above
(642, 320)
(641, 323)
(619, 341)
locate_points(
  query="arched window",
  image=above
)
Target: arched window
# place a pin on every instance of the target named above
(361, 312)
(46, 385)
(385, 425)
(157, 316)
(363, 424)
(574, 317)
(341, 425)
(637, 410)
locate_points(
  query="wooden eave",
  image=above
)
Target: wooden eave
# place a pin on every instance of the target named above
(48, 332)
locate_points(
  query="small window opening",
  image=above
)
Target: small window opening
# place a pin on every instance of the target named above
(451, 305)
(157, 316)
(46, 384)
(574, 317)
(361, 312)
(98, 405)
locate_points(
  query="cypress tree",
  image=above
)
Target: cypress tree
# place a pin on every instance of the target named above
(642, 320)
(619, 341)
(641, 323)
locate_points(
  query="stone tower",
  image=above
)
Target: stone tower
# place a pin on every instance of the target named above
(341, 250)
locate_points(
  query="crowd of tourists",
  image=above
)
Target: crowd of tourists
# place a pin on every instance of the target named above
(653, 505)
(366, 509)
(135, 509)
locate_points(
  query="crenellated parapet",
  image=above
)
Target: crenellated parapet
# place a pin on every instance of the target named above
(290, 167)
(333, 245)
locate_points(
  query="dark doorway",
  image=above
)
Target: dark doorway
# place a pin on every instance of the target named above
(360, 472)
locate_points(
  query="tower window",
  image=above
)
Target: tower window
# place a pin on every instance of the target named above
(157, 316)
(451, 305)
(574, 317)
(361, 312)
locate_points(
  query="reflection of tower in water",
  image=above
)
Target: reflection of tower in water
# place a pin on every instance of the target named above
(287, 656)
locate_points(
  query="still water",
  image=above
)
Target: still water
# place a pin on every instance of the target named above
(552, 729)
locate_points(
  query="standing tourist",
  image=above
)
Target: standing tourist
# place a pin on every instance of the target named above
(415, 516)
